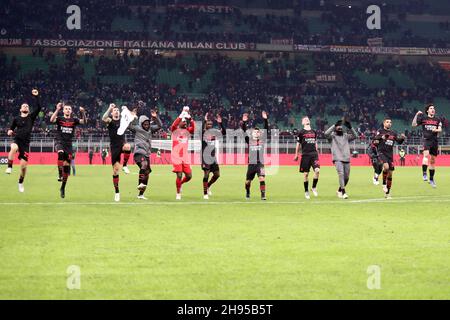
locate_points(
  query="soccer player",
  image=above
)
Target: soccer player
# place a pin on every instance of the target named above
(376, 163)
(182, 128)
(307, 140)
(21, 128)
(340, 149)
(385, 140)
(143, 147)
(255, 142)
(117, 145)
(431, 126)
(66, 125)
(209, 160)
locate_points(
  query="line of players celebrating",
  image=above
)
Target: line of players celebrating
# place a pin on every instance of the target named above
(117, 121)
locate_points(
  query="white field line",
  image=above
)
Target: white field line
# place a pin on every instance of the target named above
(424, 199)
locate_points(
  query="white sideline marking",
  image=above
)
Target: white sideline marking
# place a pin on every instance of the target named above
(268, 202)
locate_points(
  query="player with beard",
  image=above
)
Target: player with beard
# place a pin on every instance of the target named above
(255, 141)
(209, 158)
(307, 141)
(21, 128)
(117, 145)
(431, 127)
(66, 125)
(385, 140)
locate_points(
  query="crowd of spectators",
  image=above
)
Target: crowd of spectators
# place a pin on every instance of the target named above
(280, 85)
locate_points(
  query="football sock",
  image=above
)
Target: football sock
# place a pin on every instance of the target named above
(205, 185)
(116, 182)
(126, 156)
(432, 174)
(262, 188)
(66, 171)
(315, 181)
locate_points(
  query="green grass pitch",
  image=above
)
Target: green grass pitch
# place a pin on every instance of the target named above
(224, 248)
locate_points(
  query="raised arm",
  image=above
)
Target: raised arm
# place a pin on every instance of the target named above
(175, 124)
(351, 134)
(244, 127)
(155, 123)
(265, 119)
(414, 122)
(55, 114)
(222, 127)
(329, 132)
(106, 118)
(191, 128)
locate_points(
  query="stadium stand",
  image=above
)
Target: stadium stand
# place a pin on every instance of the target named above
(325, 86)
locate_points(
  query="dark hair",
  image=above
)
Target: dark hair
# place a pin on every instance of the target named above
(428, 107)
(387, 118)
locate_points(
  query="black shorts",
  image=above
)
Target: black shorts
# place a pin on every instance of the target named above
(432, 147)
(116, 152)
(255, 169)
(213, 167)
(387, 159)
(309, 161)
(141, 159)
(67, 150)
(24, 147)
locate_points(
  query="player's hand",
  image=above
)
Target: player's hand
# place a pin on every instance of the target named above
(112, 106)
(82, 110)
(419, 112)
(245, 117)
(403, 136)
(264, 114)
(59, 106)
(187, 115)
(347, 124)
(206, 116)
(10, 132)
(186, 109)
(153, 113)
(219, 119)
(34, 92)
(296, 158)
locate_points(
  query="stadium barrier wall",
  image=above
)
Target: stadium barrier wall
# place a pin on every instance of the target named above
(82, 158)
